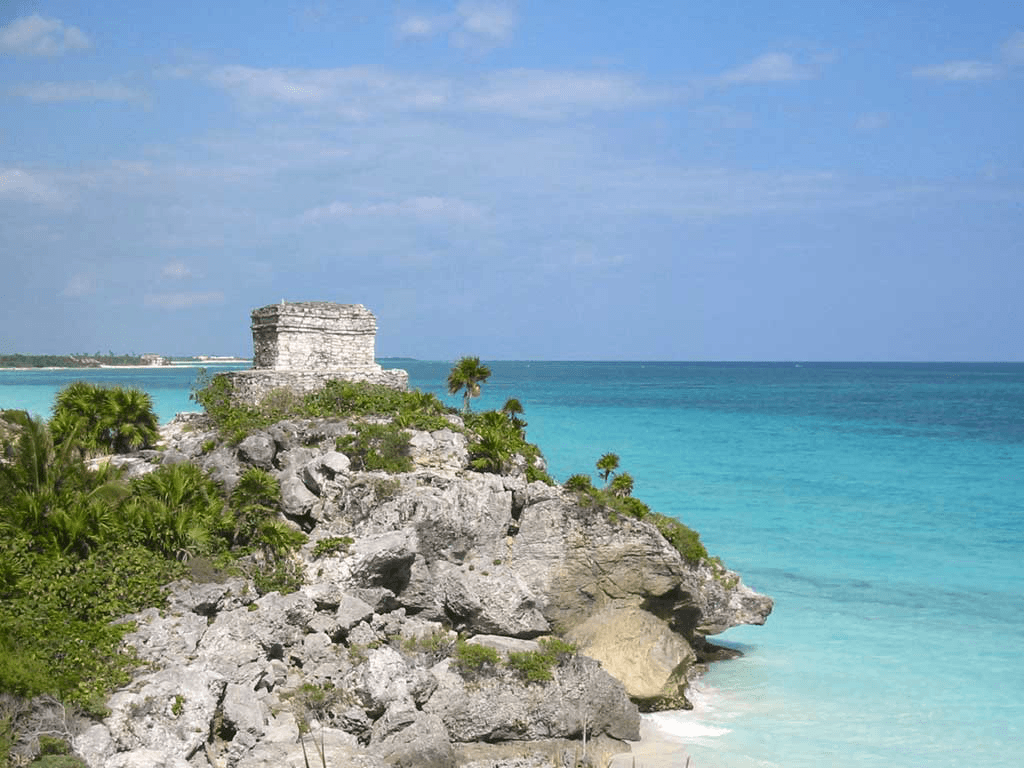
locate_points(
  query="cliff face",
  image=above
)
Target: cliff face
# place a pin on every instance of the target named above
(366, 649)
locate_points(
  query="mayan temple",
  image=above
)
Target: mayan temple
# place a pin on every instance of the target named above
(301, 345)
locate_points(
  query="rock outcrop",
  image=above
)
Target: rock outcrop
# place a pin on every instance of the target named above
(364, 660)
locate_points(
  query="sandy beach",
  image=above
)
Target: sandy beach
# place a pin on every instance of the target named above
(654, 750)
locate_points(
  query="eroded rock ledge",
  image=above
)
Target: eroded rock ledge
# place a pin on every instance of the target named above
(362, 654)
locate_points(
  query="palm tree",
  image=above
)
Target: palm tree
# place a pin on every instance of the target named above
(606, 465)
(468, 374)
(622, 485)
(129, 421)
(512, 408)
(77, 414)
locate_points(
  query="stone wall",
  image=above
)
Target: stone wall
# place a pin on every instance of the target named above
(252, 386)
(312, 336)
(300, 346)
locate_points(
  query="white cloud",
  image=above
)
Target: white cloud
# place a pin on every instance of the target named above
(16, 184)
(768, 68)
(35, 36)
(426, 207)
(541, 94)
(182, 300)
(78, 91)
(959, 71)
(484, 24)
(474, 25)
(176, 270)
(79, 285)
(353, 92)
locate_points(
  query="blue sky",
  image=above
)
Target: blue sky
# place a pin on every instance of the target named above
(518, 180)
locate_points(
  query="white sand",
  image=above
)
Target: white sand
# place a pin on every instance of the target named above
(654, 750)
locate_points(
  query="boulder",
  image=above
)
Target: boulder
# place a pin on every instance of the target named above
(258, 450)
(639, 650)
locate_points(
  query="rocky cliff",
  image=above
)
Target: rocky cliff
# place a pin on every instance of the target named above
(364, 663)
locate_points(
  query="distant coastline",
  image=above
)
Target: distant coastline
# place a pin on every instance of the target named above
(17, 362)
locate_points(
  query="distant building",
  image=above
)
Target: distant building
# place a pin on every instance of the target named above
(154, 360)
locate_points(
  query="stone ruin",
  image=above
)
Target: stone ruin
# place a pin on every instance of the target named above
(300, 346)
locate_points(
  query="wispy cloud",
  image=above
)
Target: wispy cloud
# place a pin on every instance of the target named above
(484, 24)
(353, 92)
(769, 68)
(473, 25)
(959, 71)
(182, 300)
(358, 93)
(426, 207)
(89, 90)
(35, 36)
(16, 184)
(79, 285)
(176, 270)
(546, 94)
(1009, 56)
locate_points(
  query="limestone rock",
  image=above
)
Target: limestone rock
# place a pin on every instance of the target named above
(639, 650)
(258, 450)
(408, 738)
(502, 707)
(168, 711)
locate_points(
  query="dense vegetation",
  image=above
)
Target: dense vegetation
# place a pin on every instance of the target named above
(80, 548)
(69, 361)
(337, 399)
(100, 419)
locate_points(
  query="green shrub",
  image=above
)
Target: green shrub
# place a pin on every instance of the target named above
(531, 666)
(557, 648)
(579, 483)
(282, 576)
(377, 447)
(537, 666)
(685, 540)
(473, 660)
(332, 545)
(498, 437)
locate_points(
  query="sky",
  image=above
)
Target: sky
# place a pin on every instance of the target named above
(518, 180)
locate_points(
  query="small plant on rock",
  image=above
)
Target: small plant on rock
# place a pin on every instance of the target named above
(332, 545)
(377, 447)
(474, 660)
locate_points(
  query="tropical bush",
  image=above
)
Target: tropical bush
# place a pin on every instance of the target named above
(81, 548)
(101, 419)
(498, 437)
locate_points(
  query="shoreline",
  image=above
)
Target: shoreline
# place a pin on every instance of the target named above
(655, 749)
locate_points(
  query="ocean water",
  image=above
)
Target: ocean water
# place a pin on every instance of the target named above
(880, 505)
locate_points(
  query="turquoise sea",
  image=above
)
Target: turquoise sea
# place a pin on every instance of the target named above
(881, 505)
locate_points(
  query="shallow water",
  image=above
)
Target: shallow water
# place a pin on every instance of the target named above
(880, 505)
